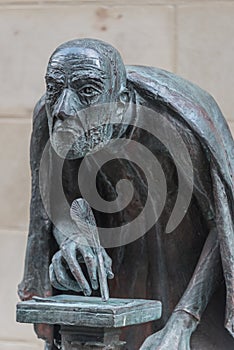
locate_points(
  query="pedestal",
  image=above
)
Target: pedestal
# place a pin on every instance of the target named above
(86, 338)
(87, 322)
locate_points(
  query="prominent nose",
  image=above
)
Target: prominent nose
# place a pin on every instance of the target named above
(66, 106)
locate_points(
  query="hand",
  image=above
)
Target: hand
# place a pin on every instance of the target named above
(175, 335)
(65, 270)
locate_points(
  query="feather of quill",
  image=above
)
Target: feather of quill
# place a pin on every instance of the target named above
(81, 213)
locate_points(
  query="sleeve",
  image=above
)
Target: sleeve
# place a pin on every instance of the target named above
(38, 253)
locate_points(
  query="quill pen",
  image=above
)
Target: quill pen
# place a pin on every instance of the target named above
(82, 214)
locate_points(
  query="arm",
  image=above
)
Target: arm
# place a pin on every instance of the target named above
(207, 276)
(36, 278)
(40, 240)
(187, 314)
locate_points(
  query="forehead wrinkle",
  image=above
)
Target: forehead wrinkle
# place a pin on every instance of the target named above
(89, 74)
(87, 68)
(58, 73)
(80, 57)
(77, 69)
(69, 57)
(56, 69)
(79, 66)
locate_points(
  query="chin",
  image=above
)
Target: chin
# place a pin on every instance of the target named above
(69, 145)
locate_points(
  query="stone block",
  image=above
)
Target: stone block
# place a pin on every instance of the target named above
(144, 35)
(205, 50)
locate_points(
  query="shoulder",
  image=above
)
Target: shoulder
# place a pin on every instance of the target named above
(196, 108)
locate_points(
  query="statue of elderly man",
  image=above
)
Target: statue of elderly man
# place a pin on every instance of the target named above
(91, 101)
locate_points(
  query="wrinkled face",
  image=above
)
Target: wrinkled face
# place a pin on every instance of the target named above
(80, 89)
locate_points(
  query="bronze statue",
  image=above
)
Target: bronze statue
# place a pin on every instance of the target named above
(187, 269)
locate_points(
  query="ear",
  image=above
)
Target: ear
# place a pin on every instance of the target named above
(124, 99)
(124, 96)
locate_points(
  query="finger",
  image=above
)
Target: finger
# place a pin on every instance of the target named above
(91, 264)
(108, 264)
(53, 279)
(61, 274)
(69, 253)
(89, 258)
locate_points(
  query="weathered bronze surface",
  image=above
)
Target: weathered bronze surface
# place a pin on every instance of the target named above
(187, 269)
(88, 322)
(88, 311)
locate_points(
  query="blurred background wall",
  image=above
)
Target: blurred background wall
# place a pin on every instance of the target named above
(191, 38)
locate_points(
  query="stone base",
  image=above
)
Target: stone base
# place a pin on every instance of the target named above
(88, 323)
(85, 338)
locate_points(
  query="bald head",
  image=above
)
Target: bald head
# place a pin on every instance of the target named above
(95, 50)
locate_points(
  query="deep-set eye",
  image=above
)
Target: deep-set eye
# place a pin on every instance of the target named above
(52, 92)
(52, 88)
(88, 91)
(49, 87)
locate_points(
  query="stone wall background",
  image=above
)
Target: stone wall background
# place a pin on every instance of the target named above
(191, 38)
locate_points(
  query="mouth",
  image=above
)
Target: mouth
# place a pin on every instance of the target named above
(67, 128)
(78, 142)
